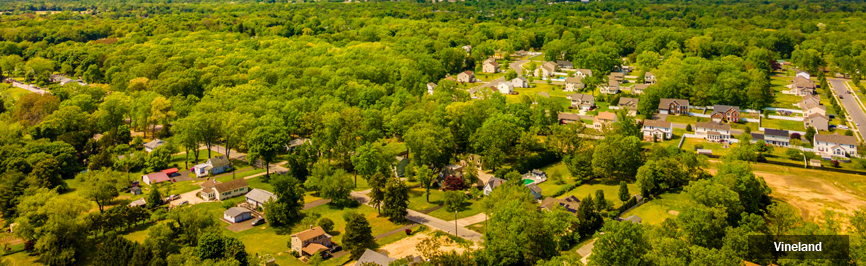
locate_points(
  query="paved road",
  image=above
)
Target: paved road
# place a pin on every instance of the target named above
(855, 113)
(516, 66)
(427, 220)
(585, 251)
(222, 150)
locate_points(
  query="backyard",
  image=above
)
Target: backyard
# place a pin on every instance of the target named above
(662, 207)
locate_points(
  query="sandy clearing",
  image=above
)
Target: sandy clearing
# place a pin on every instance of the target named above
(673, 212)
(474, 219)
(406, 247)
(812, 195)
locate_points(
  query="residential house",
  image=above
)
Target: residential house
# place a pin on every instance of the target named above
(295, 143)
(574, 83)
(237, 214)
(214, 190)
(138, 203)
(491, 184)
(536, 175)
(582, 101)
(64, 80)
(519, 53)
(490, 66)
(801, 86)
(311, 241)
(154, 178)
(153, 144)
(756, 137)
(466, 77)
(777, 137)
(583, 73)
(674, 106)
(619, 77)
(803, 74)
(603, 121)
(639, 88)
(376, 258)
(216, 165)
(835, 145)
(659, 129)
(258, 197)
(430, 87)
(546, 70)
(505, 87)
(570, 204)
(725, 113)
(520, 82)
(564, 64)
(634, 219)
(649, 78)
(818, 121)
(467, 48)
(629, 104)
(449, 170)
(811, 104)
(713, 131)
(534, 190)
(612, 87)
(565, 118)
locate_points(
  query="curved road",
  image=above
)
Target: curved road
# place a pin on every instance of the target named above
(855, 113)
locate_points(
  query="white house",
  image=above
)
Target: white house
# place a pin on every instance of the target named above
(662, 130)
(430, 87)
(574, 83)
(490, 66)
(258, 197)
(213, 190)
(713, 131)
(777, 137)
(582, 101)
(237, 214)
(835, 145)
(153, 144)
(612, 87)
(536, 175)
(583, 73)
(492, 184)
(505, 87)
(520, 82)
(649, 78)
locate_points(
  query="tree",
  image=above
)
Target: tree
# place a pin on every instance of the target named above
(235, 129)
(370, 159)
(510, 74)
(454, 200)
(46, 173)
(703, 226)
(810, 134)
(617, 157)
(337, 187)
(264, 142)
(378, 183)
(158, 159)
(54, 225)
(160, 112)
(496, 138)
(359, 234)
(396, 200)
(689, 127)
(517, 233)
(429, 145)
(611, 250)
(624, 195)
(426, 178)
(154, 198)
(101, 186)
(289, 203)
(590, 220)
(187, 133)
(326, 224)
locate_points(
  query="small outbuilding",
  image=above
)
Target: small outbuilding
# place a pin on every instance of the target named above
(237, 214)
(135, 190)
(258, 197)
(815, 163)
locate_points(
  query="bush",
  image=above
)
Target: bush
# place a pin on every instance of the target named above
(625, 205)
(795, 135)
(699, 146)
(227, 205)
(295, 253)
(564, 190)
(835, 163)
(689, 127)
(326, 224)
(794, 154)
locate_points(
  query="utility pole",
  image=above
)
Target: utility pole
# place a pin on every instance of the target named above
(455, 224)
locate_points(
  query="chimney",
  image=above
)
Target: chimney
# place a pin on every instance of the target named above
(311, 227)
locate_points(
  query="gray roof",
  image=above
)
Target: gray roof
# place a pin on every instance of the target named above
(573, 80)
(713, 125)
(230, 185)
(757, 136)
(838, 139)
(718, 108)
(153, 144)
(582, 97)
(657, 123)
(219, 161)
(665, 103)
(261, 195)
(377, 258)
(776, 132)
(521, 78)
(138, 203)
(495, 182)
(634, 219)
(534, 187)
(235, 211)
(569, 116)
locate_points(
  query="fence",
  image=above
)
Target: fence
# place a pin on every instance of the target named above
(789, 118)
(784, 109)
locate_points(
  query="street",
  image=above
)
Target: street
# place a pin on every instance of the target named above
(849, 102)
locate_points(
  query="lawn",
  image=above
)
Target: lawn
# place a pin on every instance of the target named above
(12, 92)
(656, 210)
(555, 92)
(718, 149)
(549, 187)
(470, 208)
(418, 200)
(611, 191)
(684, 119)
(783, 124)
(782, 100)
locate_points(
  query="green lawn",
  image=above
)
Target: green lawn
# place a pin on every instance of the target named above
(12, 92)
(418, 200)
(656, 211)
(684, 119)
(470, 208)
(718, 149)
(611, 191)
(783, 124)
(555, 92)
(549, 187)
(782, 100)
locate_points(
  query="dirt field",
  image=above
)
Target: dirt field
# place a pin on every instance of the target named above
(406, 247)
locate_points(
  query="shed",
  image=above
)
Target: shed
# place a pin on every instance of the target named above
(373, 257)
(237, 214)
(138, 203)
(154, 178)
(815, 163)
(135, 190)
(171, 172)
(258, 197)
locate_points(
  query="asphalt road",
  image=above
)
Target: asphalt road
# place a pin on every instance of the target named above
(849, 102)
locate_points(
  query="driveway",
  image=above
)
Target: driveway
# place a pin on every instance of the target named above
(474, 219)
(516, 65)
(192, 197)
(855, 113)
(585, 251)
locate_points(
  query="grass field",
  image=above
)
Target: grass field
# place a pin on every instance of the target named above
(718, 149)
(611, 191)
(6, 89)
(555, 92)
(783, 124)
(656, 210)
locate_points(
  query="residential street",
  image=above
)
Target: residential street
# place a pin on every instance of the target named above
(849, 102)
(516, 66)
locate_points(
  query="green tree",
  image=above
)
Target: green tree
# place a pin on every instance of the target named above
(704, 226)
(154, 198)
(810, 134)
(396, 200)
(158, 159)
(590, 220)
(429, 145)
(426, 178)
(264, 143)
(370, 159)
(617, 157)
(56, 226)
(496, 138)
(337, 187)
(289, 203)
(101, 186)
(624, 195)
(326, 224)
(378, 183)
(359, 234)
(611, 250)
(454, 200)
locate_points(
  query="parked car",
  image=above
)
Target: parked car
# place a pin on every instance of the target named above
(258, 221)
(840, 97)
(182, 203)
(173, 197)
(336, 248)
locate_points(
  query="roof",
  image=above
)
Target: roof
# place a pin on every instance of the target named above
(520, 78)
(585, 71)
(507, 84)
(219, 161)
(581, 97)
(612, 83)
(564, 63)
(657, 123)
(724, 108)
(616, 75)
(494, 182)
(314, 248)
(648, 74)
(310, 233)
(231, 185)
(302, 141)
(157, 177)
(634, 219)
(169, 171)
(431, 84)
(776, 132)
(153, 144)
(261, 195)
(757, 136)
(573, 80)
(628, 102)
(713, 125)
(401, 166)
(235, 211)
(549, 66)
(816, 115)
(373, 257)
(569, 116)
(534, 187)
(569, 203)
(665, 103)
(837, 139)
(606, 116)
(640, 86)
(138, 203)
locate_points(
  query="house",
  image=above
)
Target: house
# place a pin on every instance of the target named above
(400, 168)
(449, 170)
(565, 118)
(519, 53)
(801, 86)
(811, 104)
(639, 88)
(64, 80)
(467, 48)
(649, 78)
(818, 121)
(583, 73)
(546, 69)
(153, 144)
(629, 104)
(659, 129)
(258, 197)
(582, 101)
(612, 87)
(564, 64)
(154, 178)
(138, 203)
(466, 77)
(237, 214)
(756, 137)
(520, 82)
(574, 83)
(534, 190)
(490, 66)
(492, 184)
(570, 204)
(722, 113)
(619, 77)
(505, 87)
(135, 190)
(603, 121)
(634, 219)
(214, 190)
(216, 165)
(430, 87)
(674, 106)
(814, 163)
(376, 258)
(835, 145)
(295, 143)
(311, 241)
(713, 131)
(474, 159)
(536, 175)
(777, 137)
(803, 74)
